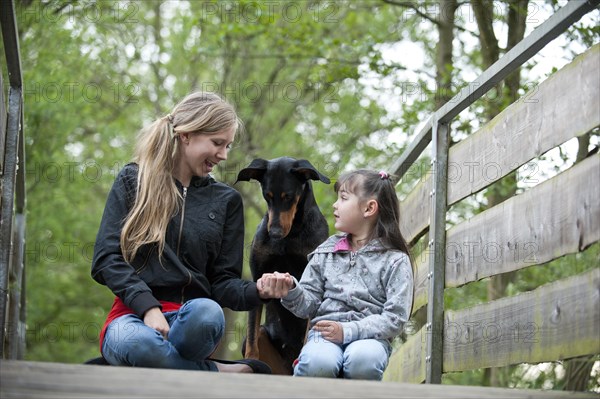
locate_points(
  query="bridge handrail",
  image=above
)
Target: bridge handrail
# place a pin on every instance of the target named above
(435, 131)
(12, 213)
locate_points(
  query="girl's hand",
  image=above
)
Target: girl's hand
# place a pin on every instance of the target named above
(274, 285)
(330, 330)
(155, 319)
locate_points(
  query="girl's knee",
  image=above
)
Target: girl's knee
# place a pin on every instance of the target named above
(318, 366)
(365, 362)
(364, 371)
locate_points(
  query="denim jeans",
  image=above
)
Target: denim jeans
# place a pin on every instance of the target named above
(195, 331)
(364, 359)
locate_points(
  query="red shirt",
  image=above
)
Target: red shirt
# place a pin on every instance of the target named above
(120, 309)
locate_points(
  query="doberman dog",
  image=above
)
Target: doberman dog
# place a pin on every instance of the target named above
(292, 228)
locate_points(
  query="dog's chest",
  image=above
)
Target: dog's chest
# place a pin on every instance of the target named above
(282, 256)
(285, 247)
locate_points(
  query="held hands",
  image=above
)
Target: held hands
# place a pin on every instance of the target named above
(155, 319)
(330, 330)
(277, 285)
(274, 285)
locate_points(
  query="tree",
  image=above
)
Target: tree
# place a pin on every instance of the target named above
(76, 113)
(104, 69)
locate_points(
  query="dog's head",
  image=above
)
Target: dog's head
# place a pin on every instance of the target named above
(283, 181)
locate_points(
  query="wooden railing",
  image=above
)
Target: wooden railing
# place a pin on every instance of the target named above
(12, 194)
(557, 217)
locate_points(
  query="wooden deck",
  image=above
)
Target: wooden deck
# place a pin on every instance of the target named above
(22, 379)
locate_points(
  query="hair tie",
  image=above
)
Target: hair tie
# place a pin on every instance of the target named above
(169, 119)
(384, 175)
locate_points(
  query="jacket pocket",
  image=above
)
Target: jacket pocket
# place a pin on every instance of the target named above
(211, 225)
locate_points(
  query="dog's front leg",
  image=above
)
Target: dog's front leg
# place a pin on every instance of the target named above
(251, 347)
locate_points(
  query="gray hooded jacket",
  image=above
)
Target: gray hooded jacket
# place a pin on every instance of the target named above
(370, 291)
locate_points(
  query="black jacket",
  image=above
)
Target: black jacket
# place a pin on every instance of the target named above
(201, 259)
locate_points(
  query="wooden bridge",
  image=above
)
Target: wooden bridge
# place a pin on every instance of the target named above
(19, 379)
(555, 218)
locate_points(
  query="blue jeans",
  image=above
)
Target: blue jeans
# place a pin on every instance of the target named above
(364, 359)
(195, 331)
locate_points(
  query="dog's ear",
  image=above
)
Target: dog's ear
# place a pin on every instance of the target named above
(304, 170)
(256, 170)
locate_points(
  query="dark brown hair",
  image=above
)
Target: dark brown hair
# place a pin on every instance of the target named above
(367, 184)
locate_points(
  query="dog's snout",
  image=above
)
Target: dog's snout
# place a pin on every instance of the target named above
(280, 223)
(274, 227)
(276, 233)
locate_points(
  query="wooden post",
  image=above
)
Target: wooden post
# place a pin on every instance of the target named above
(437, 258)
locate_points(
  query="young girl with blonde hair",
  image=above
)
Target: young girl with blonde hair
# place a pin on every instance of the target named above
(170, 244)
(357, 289)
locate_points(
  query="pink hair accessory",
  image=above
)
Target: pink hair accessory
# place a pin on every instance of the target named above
(384, 175)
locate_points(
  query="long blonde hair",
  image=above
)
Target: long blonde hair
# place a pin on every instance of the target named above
(158, 198)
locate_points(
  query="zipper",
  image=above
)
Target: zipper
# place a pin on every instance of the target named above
(182, 217)
(352, 258)
(179, 243)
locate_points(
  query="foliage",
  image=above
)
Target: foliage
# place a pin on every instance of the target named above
(327, 81)
(98, 71)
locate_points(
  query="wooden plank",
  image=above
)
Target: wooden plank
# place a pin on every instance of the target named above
(415, 210)
(420, 281)
(407, 364)
(414, 150)
(541, 120)
(19, 379)
(556, 321)
(563, 106)
(555, 218)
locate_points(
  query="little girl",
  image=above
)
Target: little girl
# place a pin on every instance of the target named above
(357, 288)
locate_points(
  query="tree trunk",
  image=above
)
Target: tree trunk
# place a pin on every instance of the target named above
(443, 52)
(582, 150)
(484, 15)
(517, 18)
(490, 49)
(577, 373)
